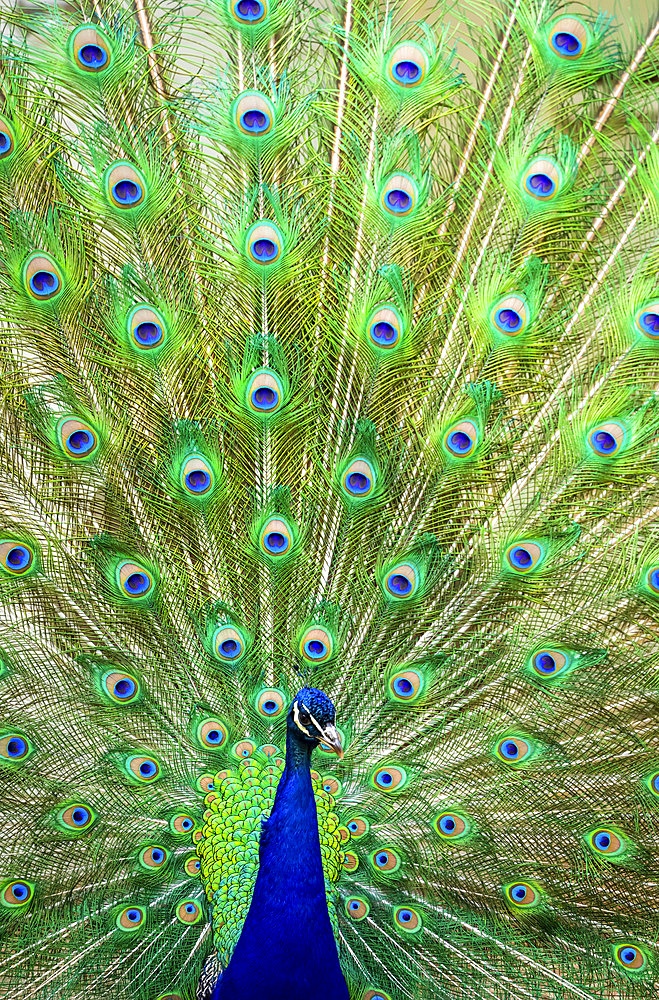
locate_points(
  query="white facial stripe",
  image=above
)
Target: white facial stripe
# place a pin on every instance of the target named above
(296, 718)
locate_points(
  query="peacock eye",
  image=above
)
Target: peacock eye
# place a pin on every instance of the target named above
(304, 717)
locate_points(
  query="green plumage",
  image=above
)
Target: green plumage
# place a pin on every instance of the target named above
(329, 346)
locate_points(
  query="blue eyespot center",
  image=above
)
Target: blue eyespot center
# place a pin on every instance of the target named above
(352, 827)
(80, 816)
(254, 121)
(198, 480)
(354, 905)
(381, 859)
(229, 648)
(16, 747)
(447, 824)
(398, 200)
(137, 583)
(20, 890)
(508, 318)
(127, 192)
(79, 442)
(399, 584)
(148, 334)
(540, 185)
(249, 10)
(521, 558)
(545, 663)
(93, 56)
(213, 736)
(265, 398)
(384, 333)
(357, 482)
(147, 768)
(5, 142)
(628, 955)
(315, 649)
(603, 442)
(264, 249)
(190, 908)
(650, 323)
(384, 778)
(518, 892)
(134, 915)
(124, 688)
(602, 841)
(407, 71)
(403, 687)
(459, 442)
(566, 44)
(18, 557)
(405, 916)
(276, 542)
(510, 749)
(44, 283)
(157, 856)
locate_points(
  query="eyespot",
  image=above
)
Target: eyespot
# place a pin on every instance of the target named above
(630, 956)
(276, 537)
(407, 919)
(196, 476)
(15, 747)
(90, 49)
(228, 644)
(125, 188)
(264, 394)
(188, 912)
(375, 995)
(606, 439)
(401, 581)
(244, 748)
(264, 244)
(182, 823)
(542, 179)
(77, 439)
(385, 327)
(134, 580)
(249, 12)
(42, 278)
(357, 908)
(143, 768)
(514, 750)
(510, 316)
(206, 783)
(193, 866)
(16, 894)
(399, 195)
(331, 785)
(385, 860)
(350, 862)
(652, 579)
(406, 686)
(521, 894)
(390, 778)
(548, 663)
(153, 857)
(7, 140)
(16, 558)
(568, 38)
(123, 688)
(270, 703)
(269, 749)
(652, 781)
(131, 918)
(211, 733)
(522, 557)
(76, 817)
(254, 115)
(407, 65)
(358, 479)
(460, 440)
(359, 826)
(451, 825)
(316, 645)
(147, 329)
(603, 840)
(647, 320)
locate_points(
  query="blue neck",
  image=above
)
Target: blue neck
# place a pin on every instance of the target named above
(286, 949)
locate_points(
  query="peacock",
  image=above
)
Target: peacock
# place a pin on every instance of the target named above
(329, 566)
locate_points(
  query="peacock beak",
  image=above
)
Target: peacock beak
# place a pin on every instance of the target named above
(329, 736)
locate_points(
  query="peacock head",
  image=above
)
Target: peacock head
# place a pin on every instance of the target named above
(311, 720)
